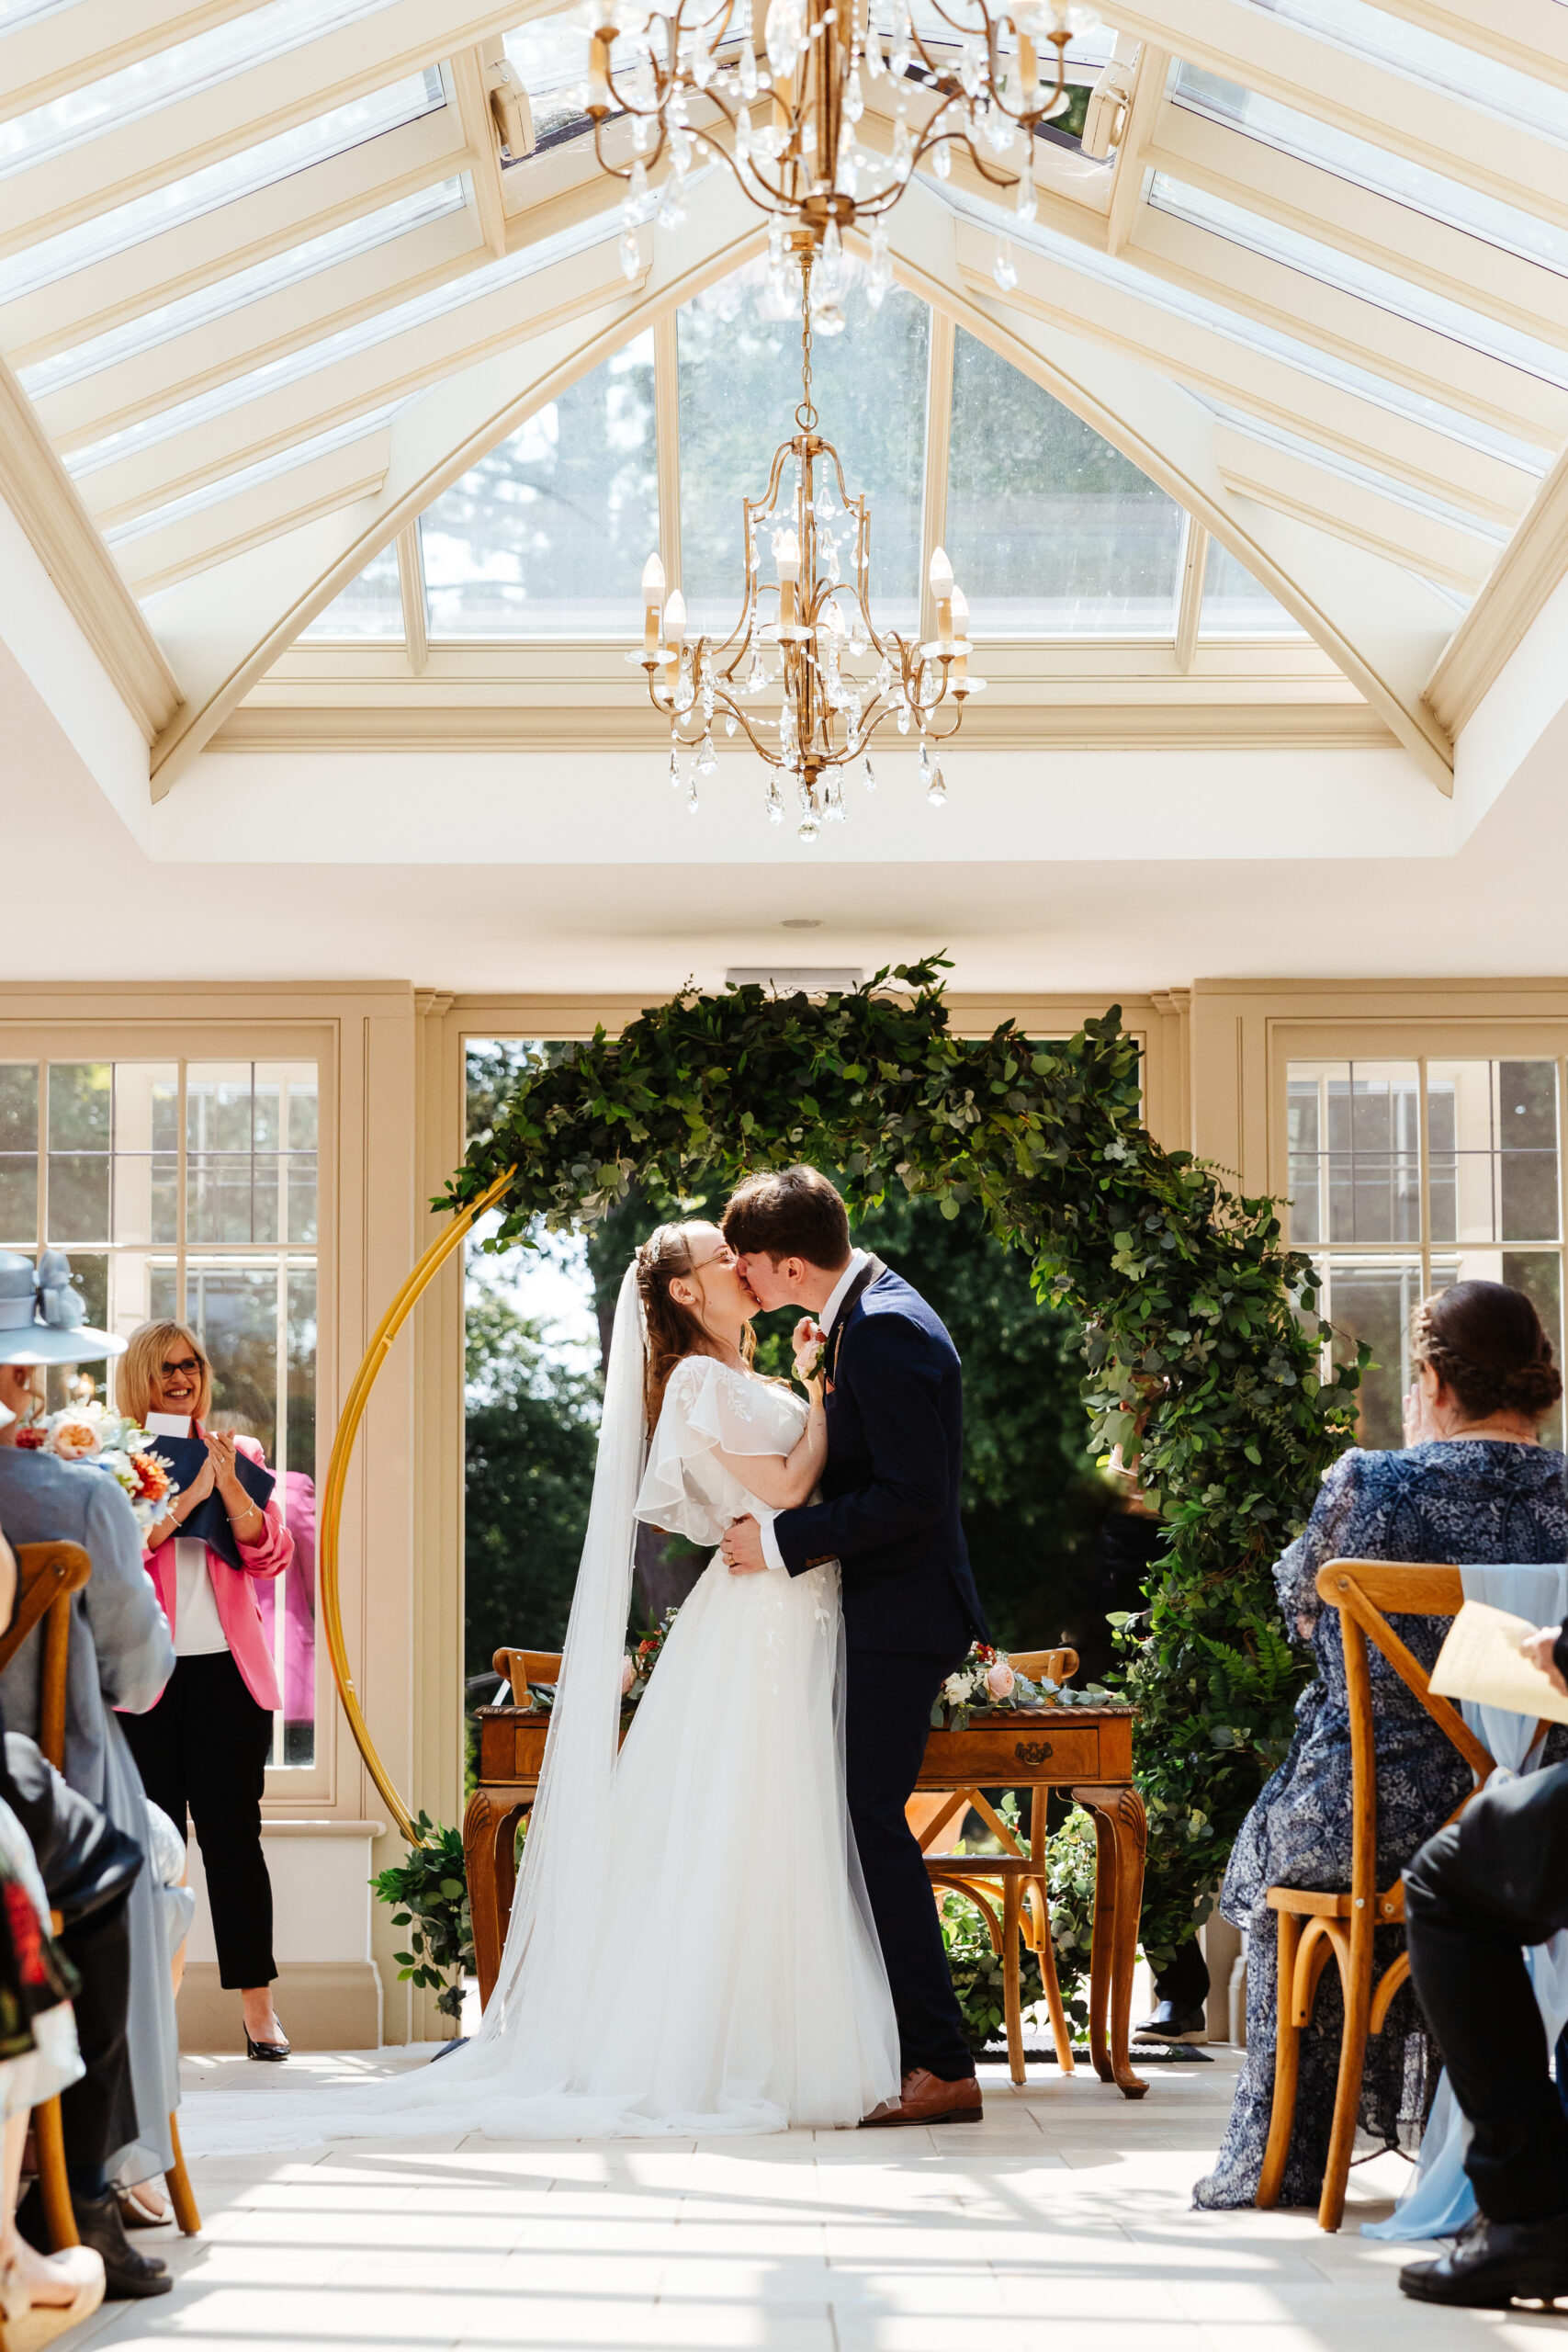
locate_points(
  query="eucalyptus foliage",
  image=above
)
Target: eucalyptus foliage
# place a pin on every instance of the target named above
(1204, 1355)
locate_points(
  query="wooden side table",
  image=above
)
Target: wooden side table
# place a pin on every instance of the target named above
(1087, 1750)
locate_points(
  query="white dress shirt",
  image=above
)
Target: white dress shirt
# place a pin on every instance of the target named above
(825, 1320)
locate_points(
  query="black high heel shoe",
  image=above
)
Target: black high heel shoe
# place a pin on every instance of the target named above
(274, 2051)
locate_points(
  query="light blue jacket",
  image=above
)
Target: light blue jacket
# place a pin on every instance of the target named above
(121, 1650)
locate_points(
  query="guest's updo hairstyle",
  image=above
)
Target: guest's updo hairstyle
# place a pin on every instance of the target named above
(674, 1331)
(1485, 1343)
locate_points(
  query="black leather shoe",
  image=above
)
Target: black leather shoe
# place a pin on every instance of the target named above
(129, 2275)
(1170, 2024)
(1493, 2263)
(273, 2050)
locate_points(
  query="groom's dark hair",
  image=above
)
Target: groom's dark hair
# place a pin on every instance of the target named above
(789, 1212)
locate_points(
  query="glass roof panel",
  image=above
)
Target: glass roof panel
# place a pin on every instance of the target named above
(552, 55)
(1353, 276)
(740, 368)
(282, 461)
(245, 286)
(1520, 100)
(221, 183)
(170, 73)
(1235, 604)
(370, 607)
(27, 12)
(1050, 530)
(1377, 168)
(547, 535)
(1335, 461)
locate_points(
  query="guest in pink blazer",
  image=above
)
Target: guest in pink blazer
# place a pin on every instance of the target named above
(203, 1748)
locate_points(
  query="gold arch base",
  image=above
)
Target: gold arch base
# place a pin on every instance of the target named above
(353, 1413)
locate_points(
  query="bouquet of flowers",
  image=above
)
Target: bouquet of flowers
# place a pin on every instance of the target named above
(987, 1683)
(639, 1662)
(112, 1443)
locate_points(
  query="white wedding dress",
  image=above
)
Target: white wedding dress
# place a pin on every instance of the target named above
(691, 1949)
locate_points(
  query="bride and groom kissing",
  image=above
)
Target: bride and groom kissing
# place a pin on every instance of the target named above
(730, 1928)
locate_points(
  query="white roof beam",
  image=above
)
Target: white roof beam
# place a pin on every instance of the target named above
(467, 68)
(231, 237)
(267, 327)
(223, 631)
(1242, 377)
(1379, 625)
(1362, 332)
(282, 415)
(195, 542)
(126, 160)
(1131, 168)
(1529, 35)
(92, 39)
(1392, 236)
(1368, 518)
(1280, 61)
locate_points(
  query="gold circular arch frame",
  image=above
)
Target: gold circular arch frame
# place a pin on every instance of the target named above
(353, 1413)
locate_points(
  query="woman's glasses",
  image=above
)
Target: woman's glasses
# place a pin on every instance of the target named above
(187, 1365)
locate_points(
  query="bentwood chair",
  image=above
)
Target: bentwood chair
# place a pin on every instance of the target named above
(1008, 1888)
(49, 1575)
(1316, 1926)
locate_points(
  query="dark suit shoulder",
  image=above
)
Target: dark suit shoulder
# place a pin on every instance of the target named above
(890, 1306)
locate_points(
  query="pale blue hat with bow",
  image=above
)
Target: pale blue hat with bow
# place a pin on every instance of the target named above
(42, 1317)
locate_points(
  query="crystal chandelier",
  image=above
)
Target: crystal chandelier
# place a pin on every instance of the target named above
(838, 679)
(788, 125)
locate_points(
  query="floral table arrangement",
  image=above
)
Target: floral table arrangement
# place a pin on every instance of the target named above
(112, 1443)
(987, 1684)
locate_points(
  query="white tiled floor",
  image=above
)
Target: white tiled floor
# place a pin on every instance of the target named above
(1060, 2225)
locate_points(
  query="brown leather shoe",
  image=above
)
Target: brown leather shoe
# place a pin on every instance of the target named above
(926, 2098)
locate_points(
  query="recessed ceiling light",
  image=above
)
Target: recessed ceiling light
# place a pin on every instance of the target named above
(802, 923)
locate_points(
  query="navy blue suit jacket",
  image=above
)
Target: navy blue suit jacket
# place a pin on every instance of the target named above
(889, 1512)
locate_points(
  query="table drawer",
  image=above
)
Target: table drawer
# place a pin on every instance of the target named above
(1017, 1753)
(512, 1744)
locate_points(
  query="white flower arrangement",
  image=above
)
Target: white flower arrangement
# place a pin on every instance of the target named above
(88, 1433)
(988, 1683)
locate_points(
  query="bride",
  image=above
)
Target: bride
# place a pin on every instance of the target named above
(691, 1949)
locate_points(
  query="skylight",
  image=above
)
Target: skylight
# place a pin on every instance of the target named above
(1401, 296)
(245, 286)
(220, 183)
(1050, 531)
(170, 73)
(1518, 99)
(369, 609)
(1381, 169)
(547, 535)
(1235, 604)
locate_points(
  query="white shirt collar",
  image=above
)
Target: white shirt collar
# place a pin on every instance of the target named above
(829, 1315)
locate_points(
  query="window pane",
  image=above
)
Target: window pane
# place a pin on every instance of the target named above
(1538, 1273)
(1234, 604)
(1051, 530)
(146, 1112)
(547, 535)
(90, 1280)
(1493, 1152)
(218, 1106)
(81, 1112)
(19, 1154)
(1355, 1152)
(78, 1196)
(1374, 1303)
(370, 606)
(233, 1309)
(740, 369)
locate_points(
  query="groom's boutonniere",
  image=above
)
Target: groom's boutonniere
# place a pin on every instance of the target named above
(808, 1339)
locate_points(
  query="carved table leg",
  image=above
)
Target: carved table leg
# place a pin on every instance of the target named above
(489, 1839)
(1121, 1835)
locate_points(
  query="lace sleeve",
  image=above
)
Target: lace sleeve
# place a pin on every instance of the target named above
(706, 1409)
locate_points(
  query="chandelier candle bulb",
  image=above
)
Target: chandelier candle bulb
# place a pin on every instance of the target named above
(652, 601)
(597, 101)
(959, 608)
(940, 577)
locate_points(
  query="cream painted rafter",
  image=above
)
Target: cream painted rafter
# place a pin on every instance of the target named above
(1529, 35)
(69, 48)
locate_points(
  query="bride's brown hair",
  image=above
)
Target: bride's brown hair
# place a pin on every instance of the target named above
(674, 1331)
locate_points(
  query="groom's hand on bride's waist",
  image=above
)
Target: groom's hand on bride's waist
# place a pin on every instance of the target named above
(743, 1548)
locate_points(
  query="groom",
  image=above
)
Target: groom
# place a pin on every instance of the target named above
(895, 1405)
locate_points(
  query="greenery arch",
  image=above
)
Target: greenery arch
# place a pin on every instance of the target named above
(1201, 1344)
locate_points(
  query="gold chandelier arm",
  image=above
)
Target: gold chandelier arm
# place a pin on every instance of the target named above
(353, 1413)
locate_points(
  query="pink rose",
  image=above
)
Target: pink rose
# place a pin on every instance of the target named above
(999, 1679)
(628, 1676)
(73, 1440)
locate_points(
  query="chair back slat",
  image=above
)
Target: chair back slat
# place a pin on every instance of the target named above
(1060, 1665)
(1362, 1589)
(522, 1666)
(48, 1574)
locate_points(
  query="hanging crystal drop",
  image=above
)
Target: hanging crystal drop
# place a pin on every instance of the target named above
(832, 251)
(1026, 208)
(1004, 269)
(743, 135)
(941, 159)
(756, 676)
(674, 768)
(936, 787)
(707, 758)
(902, 36)
(636, 206)
(672, 210)
(748, 69)
(775, 806)
(867, 776)
(903, 718)
(833, 803)
(692, 795)
(925, 767)
(875, 62)
(903, 147)
(881, 274)
(729, 722)
(783, 35)
(631, 255)
(854, 99)
(810, 821)
(776, 242)
(883, 682)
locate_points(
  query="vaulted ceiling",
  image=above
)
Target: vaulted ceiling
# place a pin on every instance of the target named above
(299, 342)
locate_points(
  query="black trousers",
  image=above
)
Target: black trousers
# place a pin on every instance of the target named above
(203, 1748)
(1493, 1880)
(888, 1714)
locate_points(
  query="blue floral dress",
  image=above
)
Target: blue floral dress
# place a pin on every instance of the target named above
(1468, 1501)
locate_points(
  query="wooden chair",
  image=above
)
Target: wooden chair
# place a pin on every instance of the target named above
(48, 1576)
(522, 1666)
(1314, 1927)
(1009, 1888)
